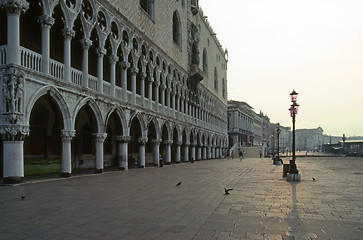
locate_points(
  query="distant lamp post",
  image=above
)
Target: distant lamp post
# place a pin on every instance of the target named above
(273, 146)
(293, 172)
(278, 143)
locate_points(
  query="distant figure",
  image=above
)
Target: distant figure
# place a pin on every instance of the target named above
(161, 161)
(232, 154)
(314, 179)
(260, 153)
(178, 184)
(240, 155)
(226, 191)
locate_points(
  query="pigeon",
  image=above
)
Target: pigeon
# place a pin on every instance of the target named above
(22, 197)
(314, 179)
(226, 191)
(178, 184)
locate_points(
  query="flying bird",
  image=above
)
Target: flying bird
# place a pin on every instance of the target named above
(226, 191)
(314, 179)
(178, 184)
(22, 197)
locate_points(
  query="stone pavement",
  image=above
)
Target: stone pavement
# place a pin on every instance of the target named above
(146, 204)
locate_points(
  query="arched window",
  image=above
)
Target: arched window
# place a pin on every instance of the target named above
(205, 62)
(224, 88)
(215, 79)
(176, 29)
(149, 7)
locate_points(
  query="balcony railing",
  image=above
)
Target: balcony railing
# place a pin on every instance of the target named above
(56, 69)
(30, 59)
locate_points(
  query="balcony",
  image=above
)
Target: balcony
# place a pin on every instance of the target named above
(196, 74)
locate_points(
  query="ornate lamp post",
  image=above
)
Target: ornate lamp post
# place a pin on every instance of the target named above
(293, 173)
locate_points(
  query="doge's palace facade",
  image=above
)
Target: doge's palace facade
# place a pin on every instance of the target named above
(97, 84)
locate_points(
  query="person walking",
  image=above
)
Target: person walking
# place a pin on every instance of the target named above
(240, 155)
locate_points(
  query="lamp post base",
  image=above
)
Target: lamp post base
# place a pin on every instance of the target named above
(293, 177)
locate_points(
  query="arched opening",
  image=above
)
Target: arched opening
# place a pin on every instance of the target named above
(3, 27)
(148, 76)
(155, 83)
(30, 28)
(92, 54)
(177, 35)
(83, 148)
(138, 78)
(134, 145)
(174, 146)
(184, 141)
(106, 61)
(56, 35)
(76, 46)
(205, 62)
(131, 62)
(163, 145)
(149, 148)
(224, 88)
(215, 79)
(110, 146)
(192, 141)
(120, 56)
(198, 148)
(42, 148)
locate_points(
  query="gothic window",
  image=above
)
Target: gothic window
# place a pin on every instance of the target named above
(224, 88)
(176, 29)
(215, 79)
(149, 7)
(205, 62)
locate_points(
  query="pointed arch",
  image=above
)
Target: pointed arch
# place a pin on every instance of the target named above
(177, 31)
(95, 109)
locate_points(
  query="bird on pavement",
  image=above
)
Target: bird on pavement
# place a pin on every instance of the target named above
(22, 197)
(178, 184)
(314, 179)
(226, 191)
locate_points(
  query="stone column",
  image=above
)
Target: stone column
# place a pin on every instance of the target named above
(186, 152)
(162, 88)
(157, 84)
(134, 71)
(209, 154)
(214, 152)
(124, 66)
(46, 23)
(156, 152)
(14, 8)
(142, 142)
(67, 136)
(168, 100)
(199, 153)
(113, 60)
(99, 139)
(168, 152)
(193, 158)
(101, 52)
(123, 151)
(177, 157)
(204, 157)
(150, 82)
(13, 151)
(68, 35)
(142, 86)
(86, 43)
(173, 93)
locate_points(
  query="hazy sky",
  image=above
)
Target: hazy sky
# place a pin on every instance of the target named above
(312, 46)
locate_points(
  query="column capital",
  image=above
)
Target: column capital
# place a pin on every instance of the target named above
(86, 43)
(156, 141)
(46, 21)
(113, 59)
(68, 33)
(150, 79)
(142, 140)
(157, 83)
(178, 143)
(101, 51)
(67, 135)
(14, 132)
(124, 64)
(168, 142)
(134, 70)
(100, 137)
(187, 143)
(15, 6)
(123, 139)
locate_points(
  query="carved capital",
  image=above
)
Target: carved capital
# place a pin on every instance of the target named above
(156, 141)
(168, 142)
(150, 80)
(113, 59)
(142, 140)
(100, 137)
(124, 64)
(68, 33)
(86, 43)
(46, 21)
(14, 6)
(67, 135)
(101, 51)
(12, 132)
(123, 139)
(134, 70)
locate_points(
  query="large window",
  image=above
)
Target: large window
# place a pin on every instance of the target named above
(215, 79)
(149, 7)
(176, 29)
(205, 62)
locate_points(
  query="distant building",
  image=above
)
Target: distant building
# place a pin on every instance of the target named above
(257, 129)
(240, 123)
(309, 139)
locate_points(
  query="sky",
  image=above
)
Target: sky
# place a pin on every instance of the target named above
(312, 46)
